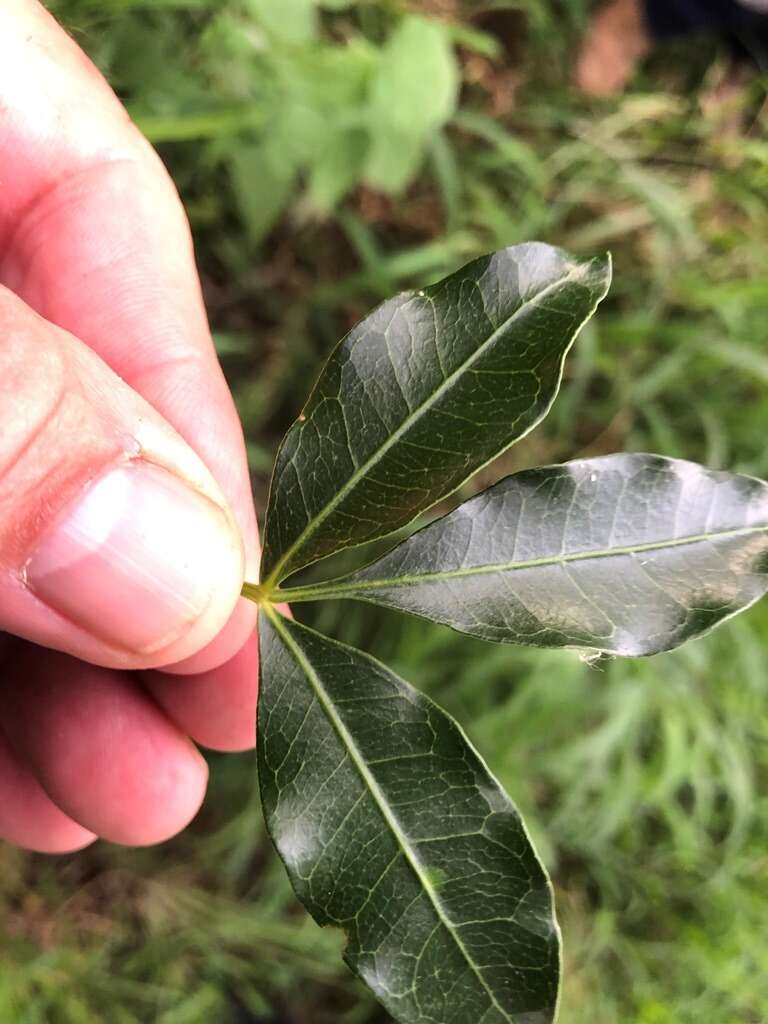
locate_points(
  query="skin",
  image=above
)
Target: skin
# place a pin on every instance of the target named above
(99, 280)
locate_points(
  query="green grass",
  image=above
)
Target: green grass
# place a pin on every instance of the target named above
(644, 782)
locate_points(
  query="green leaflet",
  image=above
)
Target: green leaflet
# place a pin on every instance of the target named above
(627, 554)
(422, 393)
(393, 829)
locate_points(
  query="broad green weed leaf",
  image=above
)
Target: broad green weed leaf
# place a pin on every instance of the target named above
(392, 828)
(421, 394)
(290, 21)
(262, 182)
(627, 554)
(335, 169)
(413, 94)
(394, 159)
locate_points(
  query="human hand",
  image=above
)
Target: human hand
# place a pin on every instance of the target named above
(121, 545)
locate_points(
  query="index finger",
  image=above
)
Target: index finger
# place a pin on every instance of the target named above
(93, 236)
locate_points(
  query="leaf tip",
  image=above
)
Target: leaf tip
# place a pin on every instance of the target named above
(598, 273)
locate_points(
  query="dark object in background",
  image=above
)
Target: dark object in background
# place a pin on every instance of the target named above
(743, 22)
(624, 32)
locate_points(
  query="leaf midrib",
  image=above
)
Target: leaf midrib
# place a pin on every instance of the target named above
(338, 588)
(378, 796)
(577, 271)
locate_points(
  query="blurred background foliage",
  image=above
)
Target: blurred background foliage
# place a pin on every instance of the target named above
(330, 153)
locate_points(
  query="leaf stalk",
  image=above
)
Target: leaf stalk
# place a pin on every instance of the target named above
(259, 593)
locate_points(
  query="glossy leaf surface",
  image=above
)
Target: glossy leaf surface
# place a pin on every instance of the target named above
(627, 554)
(393, 829)
(421, 394)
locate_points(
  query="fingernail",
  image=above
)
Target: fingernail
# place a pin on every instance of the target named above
(136, 560)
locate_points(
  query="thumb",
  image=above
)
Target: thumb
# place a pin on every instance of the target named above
(116, 544)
